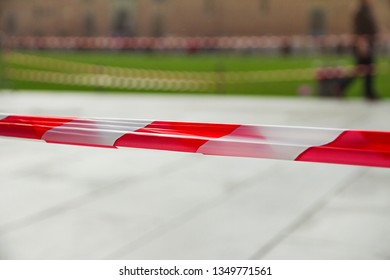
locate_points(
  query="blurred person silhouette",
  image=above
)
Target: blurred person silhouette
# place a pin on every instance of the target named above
(365, 32)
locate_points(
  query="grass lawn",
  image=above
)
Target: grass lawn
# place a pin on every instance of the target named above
(217, 63)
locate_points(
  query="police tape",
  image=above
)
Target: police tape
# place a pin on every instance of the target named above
(108, 81)
(84, 74)
(338, 42)
(62, 65)
(351, 147)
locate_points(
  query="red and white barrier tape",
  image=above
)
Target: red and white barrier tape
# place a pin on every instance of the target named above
(352, 147)
(108, 81)
(84, 74)
(186, 43)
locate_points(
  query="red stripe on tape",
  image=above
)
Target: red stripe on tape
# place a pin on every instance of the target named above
(371, 148)
(157, 129)
(189, 145)
(186, 128)
(366, 148)
(29, 127)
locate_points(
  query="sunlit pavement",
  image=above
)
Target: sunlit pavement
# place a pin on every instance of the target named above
(68, 202)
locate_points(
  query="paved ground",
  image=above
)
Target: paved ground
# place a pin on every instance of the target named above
(65, 202)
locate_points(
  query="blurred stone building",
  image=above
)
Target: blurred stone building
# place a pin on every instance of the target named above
(181, 17)
(68, 17)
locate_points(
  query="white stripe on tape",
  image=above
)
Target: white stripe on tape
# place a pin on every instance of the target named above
(95, 132)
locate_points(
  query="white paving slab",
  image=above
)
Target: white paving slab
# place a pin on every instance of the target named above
(355, 224)
(236, 226)
(65, 202)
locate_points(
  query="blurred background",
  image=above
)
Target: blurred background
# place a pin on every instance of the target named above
(248, 62)
(255, 47)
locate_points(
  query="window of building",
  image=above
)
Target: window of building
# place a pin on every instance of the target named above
(38, 33)
(10, 24)
(122, 25)
(317, 22)
(264, 6)
(89, 25)
(209, 6)
(40, 12)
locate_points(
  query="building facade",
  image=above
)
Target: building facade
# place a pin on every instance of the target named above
(68, 17)
(182, 17)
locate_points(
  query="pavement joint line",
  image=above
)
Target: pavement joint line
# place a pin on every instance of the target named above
(188, 215)
(316, 207)
(71, 204)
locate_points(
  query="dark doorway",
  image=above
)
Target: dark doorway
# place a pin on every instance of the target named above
(317, 22)
(89, 25)
(10, 24)
(158, 26)
(122, 24)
